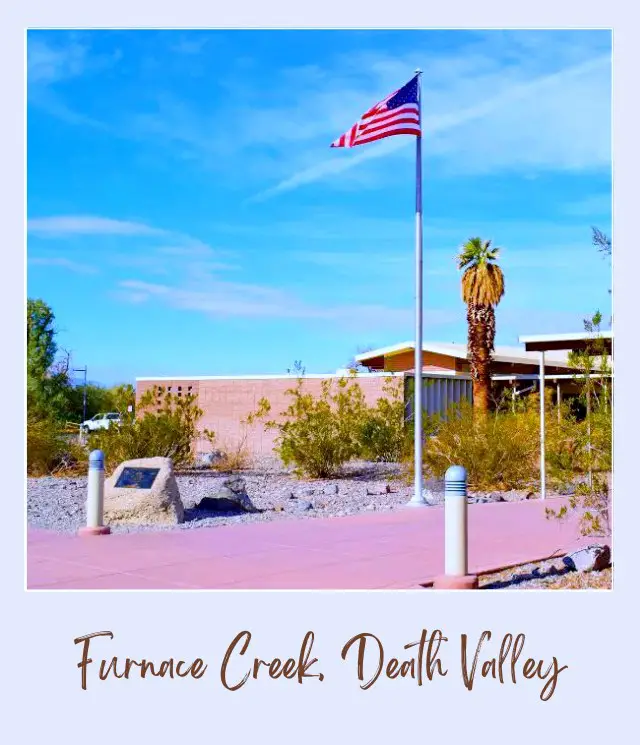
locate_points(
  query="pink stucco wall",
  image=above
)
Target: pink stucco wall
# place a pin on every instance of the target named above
(227, 401)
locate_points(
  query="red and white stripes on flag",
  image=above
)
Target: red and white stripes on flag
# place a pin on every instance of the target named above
(397, 114)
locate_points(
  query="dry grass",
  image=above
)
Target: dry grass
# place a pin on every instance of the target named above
(51, 451)
(236, 458)
(584, 581)
(550, 574)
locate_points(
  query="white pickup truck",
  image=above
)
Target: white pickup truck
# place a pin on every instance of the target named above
(100, 421)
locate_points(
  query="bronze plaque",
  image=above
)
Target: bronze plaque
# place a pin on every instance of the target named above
(137, 478)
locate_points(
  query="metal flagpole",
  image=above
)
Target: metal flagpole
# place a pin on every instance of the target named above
(418, 500)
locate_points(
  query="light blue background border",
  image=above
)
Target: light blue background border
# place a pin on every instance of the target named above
(593, 633)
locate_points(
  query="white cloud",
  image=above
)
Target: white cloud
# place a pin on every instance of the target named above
(190, 44)
(51, 65)
(64, 263)
(492, 118)
(47, 64)
(158, 251)
(341, 163)
(228, 299)
(66, 225)
(367, 263)
(494, 102)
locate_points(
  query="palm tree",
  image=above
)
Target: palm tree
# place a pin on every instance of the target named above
(482, 289)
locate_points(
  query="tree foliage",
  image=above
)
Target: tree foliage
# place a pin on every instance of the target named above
(48, 384)
(601, 241)
(165, 425)
(592, 444)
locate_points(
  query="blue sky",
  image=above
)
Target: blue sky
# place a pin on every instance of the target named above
(187, 216)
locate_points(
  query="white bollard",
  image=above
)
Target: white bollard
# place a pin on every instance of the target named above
(455, 522)
(95, 496)
(456, 541)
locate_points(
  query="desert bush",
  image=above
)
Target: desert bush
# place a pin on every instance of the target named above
(591, 502)
(384, 434)
(165, 425)
(49, 450)
(318, 435)
(499, 450)
(592, 442)
(231, 457)
(235, 458)
(502, 450)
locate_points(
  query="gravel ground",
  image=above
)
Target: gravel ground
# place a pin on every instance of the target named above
(551, 574)
(58, 504)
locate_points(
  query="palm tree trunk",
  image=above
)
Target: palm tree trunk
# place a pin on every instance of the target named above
(481, 329)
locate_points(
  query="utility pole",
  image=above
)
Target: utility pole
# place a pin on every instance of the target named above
(84, 392)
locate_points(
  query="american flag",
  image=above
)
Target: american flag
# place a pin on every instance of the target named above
(397, 114)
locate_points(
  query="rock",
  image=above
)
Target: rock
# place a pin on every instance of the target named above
(378, 489)
(158, 504)
(431, 497)
(330, 489)
(207, 460)
(230, 495)
(302, 491)
(204, 460)
(370, 508)
(593, 558)
(302, 506)
(531, 495)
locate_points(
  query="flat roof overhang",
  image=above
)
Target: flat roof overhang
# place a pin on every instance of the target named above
(574, 342)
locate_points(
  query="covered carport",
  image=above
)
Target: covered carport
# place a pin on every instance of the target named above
(566, 342)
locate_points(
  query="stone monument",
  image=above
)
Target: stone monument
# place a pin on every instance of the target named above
(143, 492)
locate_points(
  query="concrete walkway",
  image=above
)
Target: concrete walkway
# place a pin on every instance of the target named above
(402, 549)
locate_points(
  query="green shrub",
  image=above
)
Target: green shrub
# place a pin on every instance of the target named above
(499, 450)
(165, 425)
(384, 434)
(591, 445)
(318, 435)
(50, 450)
(502, 449)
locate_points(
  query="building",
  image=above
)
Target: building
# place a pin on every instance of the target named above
(227, 401)
(543, 347)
